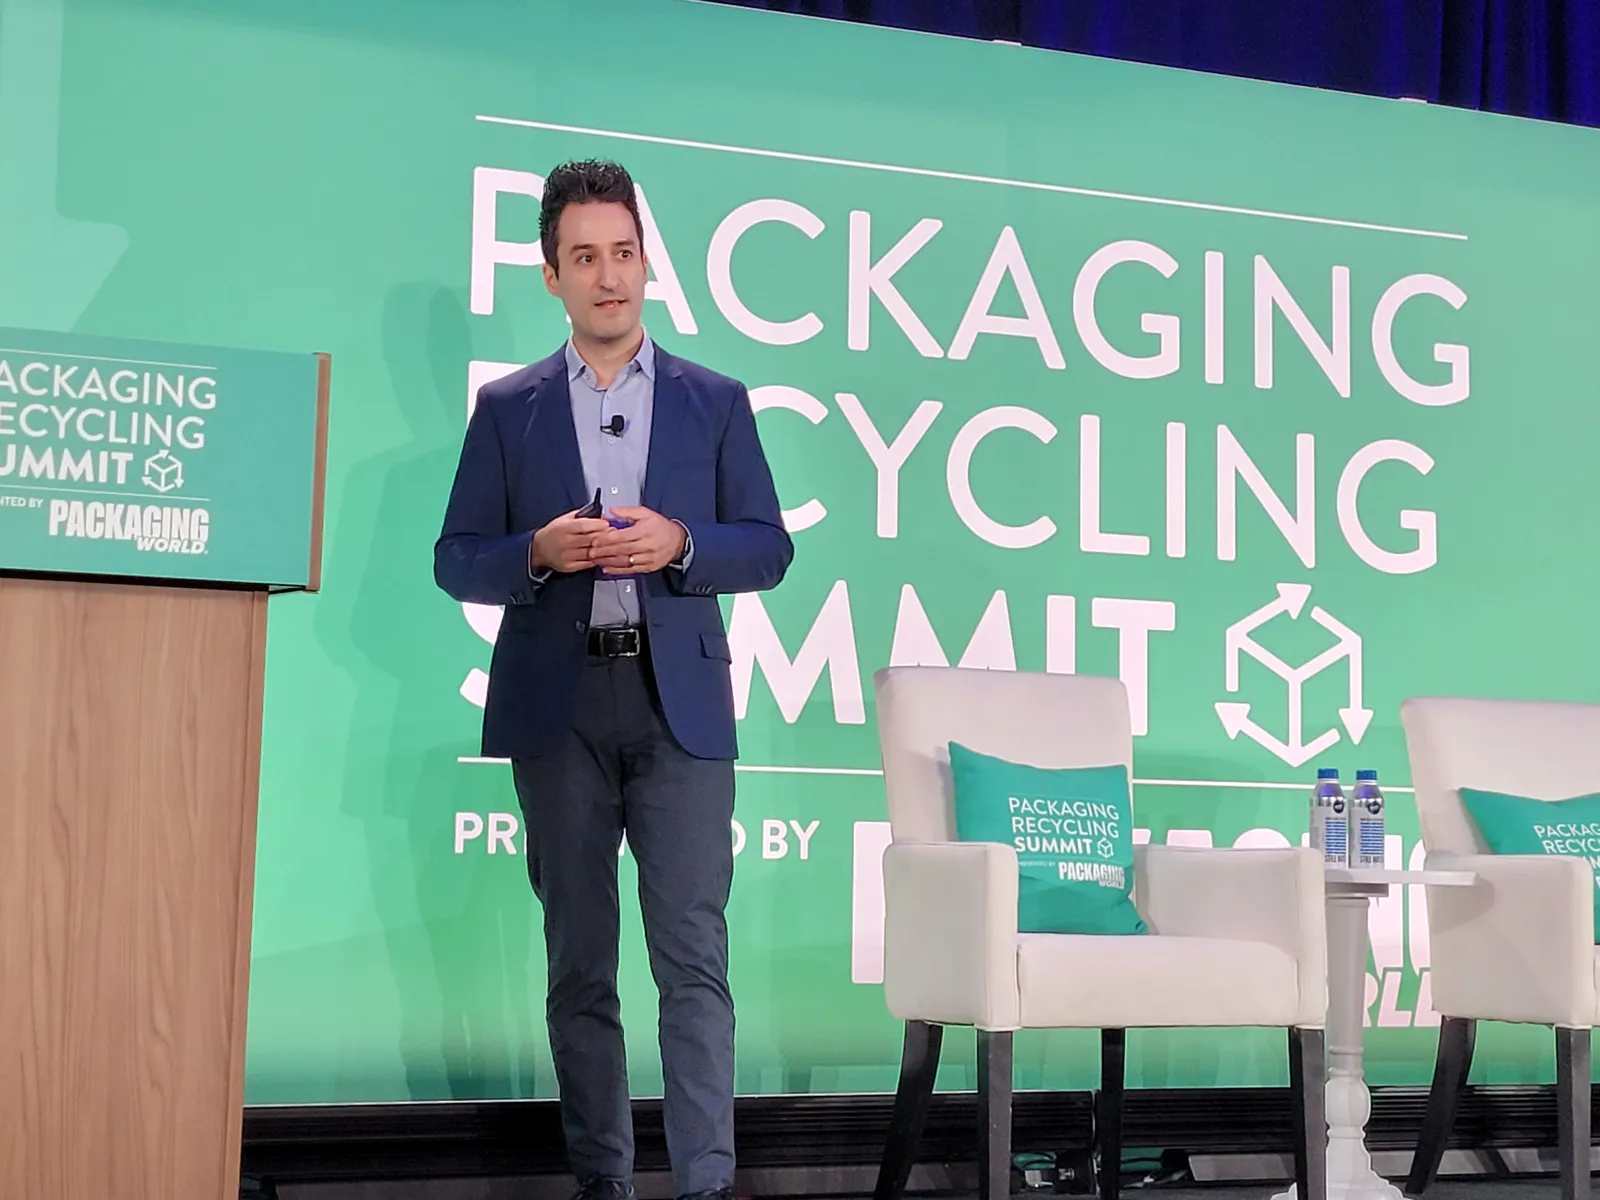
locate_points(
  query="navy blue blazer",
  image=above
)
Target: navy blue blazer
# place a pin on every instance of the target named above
(520, 468)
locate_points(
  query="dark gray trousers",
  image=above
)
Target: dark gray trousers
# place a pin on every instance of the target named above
(618, 771)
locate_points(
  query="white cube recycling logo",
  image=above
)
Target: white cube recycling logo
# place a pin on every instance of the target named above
(163, 473)
(1293, 748)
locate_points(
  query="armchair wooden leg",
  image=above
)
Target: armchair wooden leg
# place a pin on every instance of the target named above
(1308, 1079)
(1572, 1111)
(919, 1063)
(1450, 1068)
(994, 1115)
(1108, 1110)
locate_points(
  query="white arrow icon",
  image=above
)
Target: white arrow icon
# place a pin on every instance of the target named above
(1236, 720)
(50, 267)
(1355, 718)
(1291, 599)
(1235, 716)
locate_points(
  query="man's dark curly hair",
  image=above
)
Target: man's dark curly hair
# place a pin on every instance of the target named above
(588, 182)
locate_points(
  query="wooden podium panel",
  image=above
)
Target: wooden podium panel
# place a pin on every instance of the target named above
(130, 735)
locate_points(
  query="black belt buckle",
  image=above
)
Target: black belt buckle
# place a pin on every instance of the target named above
(614, 643)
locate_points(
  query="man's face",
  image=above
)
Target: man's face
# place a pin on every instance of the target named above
(602, 271)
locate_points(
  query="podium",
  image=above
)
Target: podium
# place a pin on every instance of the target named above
(152, 498)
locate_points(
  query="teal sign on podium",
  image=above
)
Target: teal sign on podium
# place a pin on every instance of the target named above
(152, 460)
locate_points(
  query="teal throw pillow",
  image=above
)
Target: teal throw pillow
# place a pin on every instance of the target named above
(1519, 825)
(1073, 832)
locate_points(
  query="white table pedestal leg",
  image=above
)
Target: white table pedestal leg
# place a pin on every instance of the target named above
(1350, 1173)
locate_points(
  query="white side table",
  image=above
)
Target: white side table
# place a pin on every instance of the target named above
(1349, 889)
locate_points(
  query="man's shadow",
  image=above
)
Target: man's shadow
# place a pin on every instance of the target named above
(459, 929)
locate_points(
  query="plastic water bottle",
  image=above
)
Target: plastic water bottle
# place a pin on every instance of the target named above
(1330, 820)
(1366, 821)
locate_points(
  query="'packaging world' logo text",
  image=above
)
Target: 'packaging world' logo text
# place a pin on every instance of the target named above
(151, 527)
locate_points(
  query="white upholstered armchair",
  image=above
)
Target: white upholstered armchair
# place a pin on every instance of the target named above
(1237, 937)
(1519, 944)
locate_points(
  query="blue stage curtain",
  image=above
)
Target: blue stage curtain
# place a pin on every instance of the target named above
(1528, 58)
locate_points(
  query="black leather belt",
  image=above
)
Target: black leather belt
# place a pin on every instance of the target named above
(615, 643)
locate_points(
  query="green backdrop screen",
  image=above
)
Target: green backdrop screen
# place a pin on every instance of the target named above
(1280, 404)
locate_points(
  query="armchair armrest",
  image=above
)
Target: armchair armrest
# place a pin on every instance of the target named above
(1271, 896)
(950, 933)
(1518, 945)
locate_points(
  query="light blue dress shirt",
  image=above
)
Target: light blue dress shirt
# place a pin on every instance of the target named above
(615, 463)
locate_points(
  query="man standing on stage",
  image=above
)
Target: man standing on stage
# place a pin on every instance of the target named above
(610, 687)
